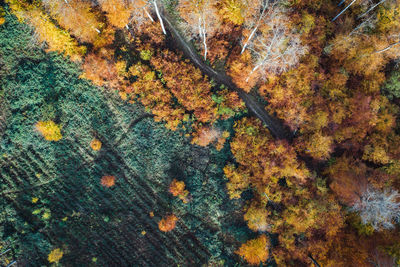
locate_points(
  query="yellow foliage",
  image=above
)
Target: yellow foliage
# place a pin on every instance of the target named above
(2, 19)
(77, 17)
(57, 39)
(55, 255)
(317, 145)
(389, 18)
(232, 10)
(49, 130)
(308, 22)
(255, 250)
(95, 144)
(237, 182)
(376, 153)
(117, 11)
(256, 217)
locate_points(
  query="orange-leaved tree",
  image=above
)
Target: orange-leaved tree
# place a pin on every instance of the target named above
(255, 251)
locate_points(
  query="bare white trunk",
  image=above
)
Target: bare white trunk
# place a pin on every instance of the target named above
(248, 39)
(159, 17)
(204, 39)
(253, 70)
(387, 48)
(349, 5)
(254, 30)
(147, 13)
(372, 8)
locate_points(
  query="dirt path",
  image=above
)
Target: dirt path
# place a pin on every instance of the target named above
(275, 126)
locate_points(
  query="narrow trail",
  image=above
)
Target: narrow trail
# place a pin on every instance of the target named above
(276, 127)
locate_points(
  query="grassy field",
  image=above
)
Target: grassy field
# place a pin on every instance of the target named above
(50, 192)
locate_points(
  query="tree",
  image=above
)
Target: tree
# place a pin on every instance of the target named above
(76, 16)
(95, 144)
(50, 130)
(256, 13)
(256, 217)
(255, 251)
(262, 161)
(168, 223)
(118, 12)
(202, 19)
(391, 87)
(378, 208)
(108, 181)
(101, 71)
(177, 189)
(55, 255)
(46, 31)
(349, 179)
(274, 46)
(188, 85)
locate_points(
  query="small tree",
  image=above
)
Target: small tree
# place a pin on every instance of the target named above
(380, 209)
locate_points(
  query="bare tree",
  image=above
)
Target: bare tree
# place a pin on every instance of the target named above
(156, 8)
(254, 20)
(380, 209)
(275, 48)
(369, 19)
(142, 10)
(349, 5)
(202, 20)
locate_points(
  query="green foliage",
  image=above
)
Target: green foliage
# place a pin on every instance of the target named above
(391, 88)
(145, 54)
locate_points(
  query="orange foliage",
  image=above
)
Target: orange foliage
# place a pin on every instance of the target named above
(187, 84)
(99, 70)
(177, 188)
(168, 223)
(255, 251)
(108, 181)
(240, 70)
(117, 11)
(267, 160)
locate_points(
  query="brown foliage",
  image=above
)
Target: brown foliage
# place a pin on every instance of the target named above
(99, 70)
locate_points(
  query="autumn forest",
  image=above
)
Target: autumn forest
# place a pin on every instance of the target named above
(200, 133)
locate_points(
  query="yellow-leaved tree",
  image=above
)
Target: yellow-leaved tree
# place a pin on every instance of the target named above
(55, 255)
(56, 38)
(49, 129)
(255, 251)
